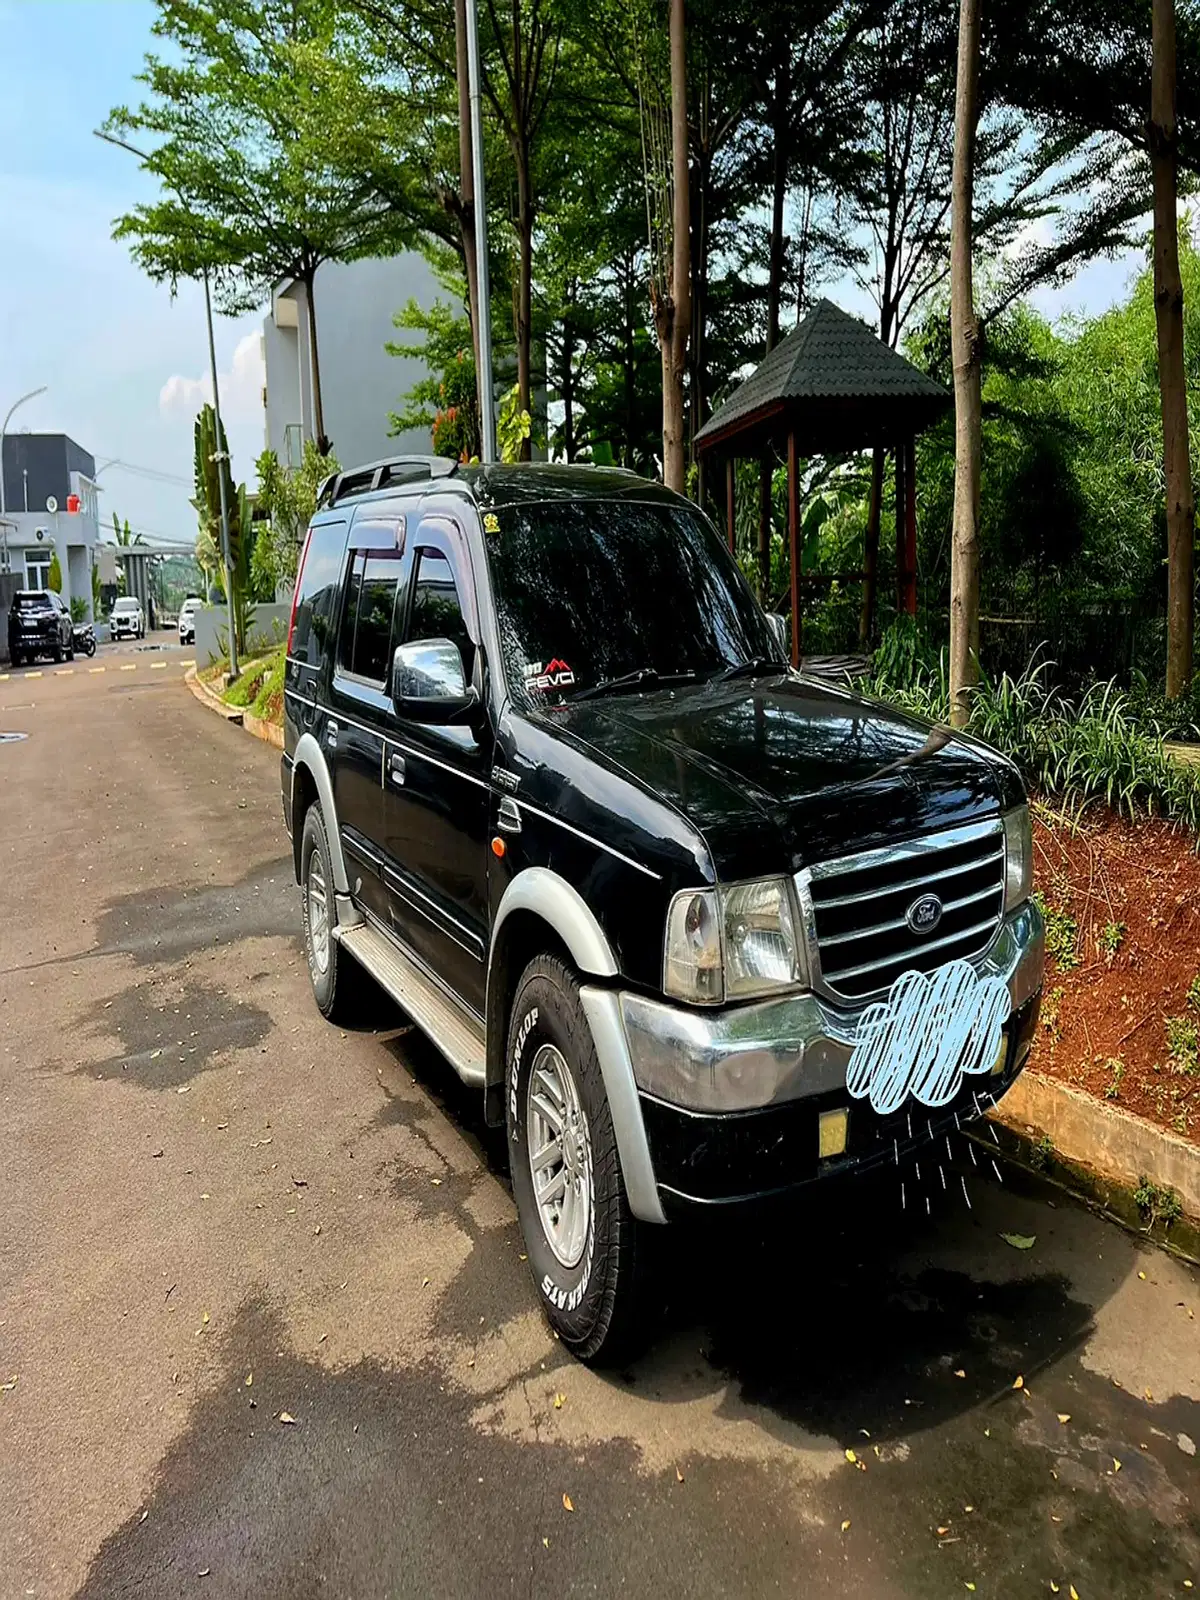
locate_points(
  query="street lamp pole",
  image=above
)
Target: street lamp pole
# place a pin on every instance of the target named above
(33, 393)
(221, 457)
(487, 395)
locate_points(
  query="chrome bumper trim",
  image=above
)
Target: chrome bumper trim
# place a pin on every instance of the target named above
(765, 1054)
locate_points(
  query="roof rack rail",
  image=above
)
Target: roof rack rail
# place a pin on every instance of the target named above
(379, 474)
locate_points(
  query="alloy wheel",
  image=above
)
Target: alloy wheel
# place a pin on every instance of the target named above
(560, 1155)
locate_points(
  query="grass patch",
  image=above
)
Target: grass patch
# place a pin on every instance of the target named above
(1062, 933)
(1116, 1074)
(259, 688)
(1183, 1045)
(1109, 940)
(1156, 1202)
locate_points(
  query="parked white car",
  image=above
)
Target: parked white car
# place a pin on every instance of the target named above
(187, 619)
(128, 620)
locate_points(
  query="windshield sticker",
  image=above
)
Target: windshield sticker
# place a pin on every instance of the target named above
(926, 1035)
(554, 674)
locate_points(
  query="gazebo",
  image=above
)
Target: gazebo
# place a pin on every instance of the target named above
(830, 388)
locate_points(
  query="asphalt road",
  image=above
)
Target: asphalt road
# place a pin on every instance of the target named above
(217, 1213)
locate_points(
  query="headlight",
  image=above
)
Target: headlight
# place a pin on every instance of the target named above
(1018, 857)
(731, 943)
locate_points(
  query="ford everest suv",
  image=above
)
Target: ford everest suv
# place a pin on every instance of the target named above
(700, 928)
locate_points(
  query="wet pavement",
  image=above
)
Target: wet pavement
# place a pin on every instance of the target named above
(218, 1213)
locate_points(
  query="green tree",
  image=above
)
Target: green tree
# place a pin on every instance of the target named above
(285, 504)
(54, 578)
(237, 115)
(444, 401)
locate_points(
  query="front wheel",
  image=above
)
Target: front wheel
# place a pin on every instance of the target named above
(71, 651)
(333, 972)
(586, 1250)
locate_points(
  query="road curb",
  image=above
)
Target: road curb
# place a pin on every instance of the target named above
(1112, 1144)
(213, 701)
(269, 732)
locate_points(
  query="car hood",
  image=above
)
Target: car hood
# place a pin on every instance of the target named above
(783, 771)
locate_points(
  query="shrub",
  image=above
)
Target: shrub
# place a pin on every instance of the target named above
(1183, 1044)
(1156, 1202)
(1093, 747)
(1061, 933)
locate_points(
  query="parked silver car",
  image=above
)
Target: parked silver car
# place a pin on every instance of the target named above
(128, 620)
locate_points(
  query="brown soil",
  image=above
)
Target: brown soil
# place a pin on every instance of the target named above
(1123, 916)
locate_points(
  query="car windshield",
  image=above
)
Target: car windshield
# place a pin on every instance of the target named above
(38, 600)
(126, 605)
(590, 591)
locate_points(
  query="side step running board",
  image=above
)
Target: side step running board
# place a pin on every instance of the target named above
(459, 1037)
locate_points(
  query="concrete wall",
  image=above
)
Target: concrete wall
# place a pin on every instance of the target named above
(268, 628)
(360, 382)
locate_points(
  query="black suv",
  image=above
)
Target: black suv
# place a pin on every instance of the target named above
(39, 624)
(700, 927)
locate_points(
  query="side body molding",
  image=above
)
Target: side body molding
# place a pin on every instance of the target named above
(563, 908)
(310, 756)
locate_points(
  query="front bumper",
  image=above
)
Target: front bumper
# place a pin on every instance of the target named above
(731, 1100)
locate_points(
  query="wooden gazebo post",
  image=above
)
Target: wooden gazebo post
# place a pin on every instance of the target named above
(793, 514)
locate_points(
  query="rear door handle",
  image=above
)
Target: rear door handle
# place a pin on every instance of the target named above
(331, 734)
(397, 769)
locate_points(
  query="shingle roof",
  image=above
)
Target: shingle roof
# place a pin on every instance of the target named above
(829, 356)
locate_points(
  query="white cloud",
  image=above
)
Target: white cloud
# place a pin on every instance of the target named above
(241, 386)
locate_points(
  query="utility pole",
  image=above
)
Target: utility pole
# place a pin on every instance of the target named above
(487, 397)
(221, 457)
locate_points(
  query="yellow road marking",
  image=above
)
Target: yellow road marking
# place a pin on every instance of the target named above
(63, 672)
(4, 677)
(95, 669)
(187, 663)
(158, 666)
(33, 674)
(129, 666)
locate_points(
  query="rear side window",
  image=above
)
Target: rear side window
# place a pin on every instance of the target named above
(316, 595)
(365, 643)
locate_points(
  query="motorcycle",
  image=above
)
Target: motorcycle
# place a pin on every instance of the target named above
(85, 638)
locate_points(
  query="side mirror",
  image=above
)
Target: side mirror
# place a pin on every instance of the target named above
(782, 631)
(428, 682)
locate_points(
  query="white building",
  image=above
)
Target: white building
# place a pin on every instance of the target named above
(355, 303)
(37, 471)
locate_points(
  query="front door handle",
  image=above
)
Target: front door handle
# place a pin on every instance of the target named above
(397, 769)
(331, 735)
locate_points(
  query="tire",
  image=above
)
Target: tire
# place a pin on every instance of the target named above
(335, 976)
(589, 1266)
(16, 658)
(57, 652)
(71, 651)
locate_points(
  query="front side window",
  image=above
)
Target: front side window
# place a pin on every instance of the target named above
(591, 590)
(437, 611)
(316, 594)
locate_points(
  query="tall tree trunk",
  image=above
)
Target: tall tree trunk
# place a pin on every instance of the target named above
(629, 363)
(965, 345)
(466, 180)
(1172, 383)
(567, 388)
(699, 264)
(672, 308)
(524, 295)
(308, 278)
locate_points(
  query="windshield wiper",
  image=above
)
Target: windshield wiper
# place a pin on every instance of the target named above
(756, 667)
(640, 678)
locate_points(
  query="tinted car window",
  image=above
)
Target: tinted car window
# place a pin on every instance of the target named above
(436, 610)
(37, 600)
(366, 636)
(312, 631)
(589, 590)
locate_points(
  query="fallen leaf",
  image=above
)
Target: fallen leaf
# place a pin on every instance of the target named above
(1064, 1416)
(971, 1586)
(1142, 1276)
(204, 1572)
(845, 1525)
(437, 1182)
(424, 1283)
(1073, 1592)
(1053, 1587)
(1116, 1465)
(968, 1508)
(184, 1089)
(851, 1457)
(287, 1417)
(1020, 1241)
(1018, 1382)
(678, 1475)
(249, 1379)
(546, 1542)
(567, 1506)
(942, 1532)
(959, 1373)
(6, 1388)
(559, 1401)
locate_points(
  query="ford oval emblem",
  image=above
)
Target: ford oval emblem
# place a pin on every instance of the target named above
(924, 914)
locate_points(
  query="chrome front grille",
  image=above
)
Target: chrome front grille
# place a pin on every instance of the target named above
(856, 908)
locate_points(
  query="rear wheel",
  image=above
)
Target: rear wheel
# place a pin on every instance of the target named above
(335, 975)
(586, 1250)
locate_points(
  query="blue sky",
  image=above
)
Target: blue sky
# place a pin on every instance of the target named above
(123, 362)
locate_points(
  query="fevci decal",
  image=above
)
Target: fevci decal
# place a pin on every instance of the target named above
(554, 674)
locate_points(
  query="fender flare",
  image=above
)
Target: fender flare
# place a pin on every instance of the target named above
(311, 757)
(557, 903)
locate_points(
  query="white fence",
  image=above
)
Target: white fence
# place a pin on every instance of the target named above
(268, 627)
